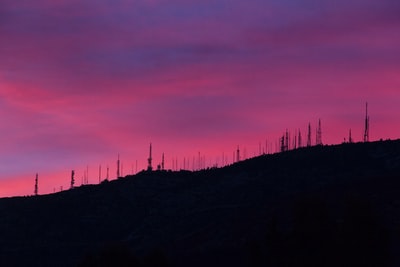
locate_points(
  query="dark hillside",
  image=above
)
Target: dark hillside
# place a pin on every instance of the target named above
(319, 206)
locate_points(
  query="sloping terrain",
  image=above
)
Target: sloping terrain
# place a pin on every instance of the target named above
(318, 206)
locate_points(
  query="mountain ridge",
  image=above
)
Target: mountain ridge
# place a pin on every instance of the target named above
(230, 215)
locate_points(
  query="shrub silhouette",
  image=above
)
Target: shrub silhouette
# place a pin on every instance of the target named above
(363, 239)
(311, 240)
(114, 255)
(315, 236)
(155, 258)
(120, 255)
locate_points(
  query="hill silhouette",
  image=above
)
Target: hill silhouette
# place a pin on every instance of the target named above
(319, 206)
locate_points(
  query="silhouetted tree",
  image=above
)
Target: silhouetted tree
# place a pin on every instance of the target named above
(318, 238)
(114, 255)
(72, 179)
(120, 255)
(36, 191)
(155, 258)
(363, 239)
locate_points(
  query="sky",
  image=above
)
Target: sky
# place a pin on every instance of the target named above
(84, 81)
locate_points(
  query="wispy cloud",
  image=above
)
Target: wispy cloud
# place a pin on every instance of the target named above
(81, 81)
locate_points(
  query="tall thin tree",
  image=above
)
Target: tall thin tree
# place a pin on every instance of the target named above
(149, 160)
(309, 135)
(36, 191)
(118, 167)
(299, 144)
(319, 134)
(366, 126)
(72, 179)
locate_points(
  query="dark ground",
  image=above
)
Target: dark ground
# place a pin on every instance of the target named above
(318, 206)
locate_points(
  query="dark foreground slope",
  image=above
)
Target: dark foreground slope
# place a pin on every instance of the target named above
(319, 206)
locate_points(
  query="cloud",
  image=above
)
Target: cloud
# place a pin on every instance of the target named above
(81, 81)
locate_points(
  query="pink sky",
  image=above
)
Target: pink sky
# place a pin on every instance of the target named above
(81, 81)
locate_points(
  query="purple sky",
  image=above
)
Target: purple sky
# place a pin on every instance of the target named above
(81, 81)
